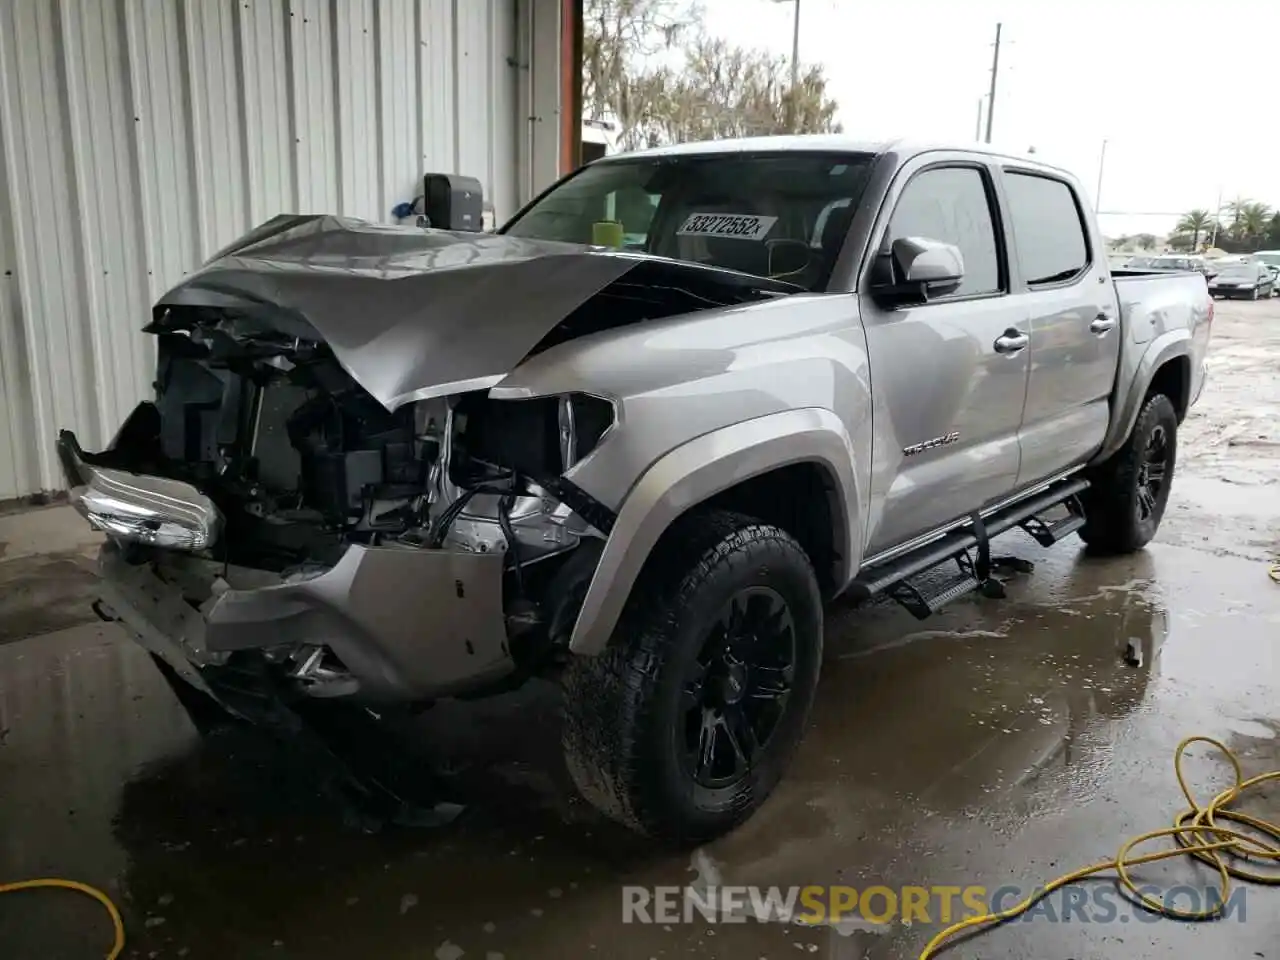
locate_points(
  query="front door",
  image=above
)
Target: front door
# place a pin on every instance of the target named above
(949, 376)
(1075, 324)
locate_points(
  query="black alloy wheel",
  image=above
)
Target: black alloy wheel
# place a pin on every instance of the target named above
(735, 691)
(1128, 493)
(685, 723)
(1152, 472)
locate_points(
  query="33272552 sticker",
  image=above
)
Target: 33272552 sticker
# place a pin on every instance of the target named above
(739, 226)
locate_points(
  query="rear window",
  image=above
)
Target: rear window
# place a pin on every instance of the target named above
(1048, 228)
(783, 215)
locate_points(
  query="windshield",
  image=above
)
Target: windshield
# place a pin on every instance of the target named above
(732, 210)
(1238, 270)
(1142, 263)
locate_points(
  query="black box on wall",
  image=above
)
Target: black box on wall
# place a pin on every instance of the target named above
(453, 202)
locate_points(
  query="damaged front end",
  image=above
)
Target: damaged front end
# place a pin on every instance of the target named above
(324, 495)
(265, 502)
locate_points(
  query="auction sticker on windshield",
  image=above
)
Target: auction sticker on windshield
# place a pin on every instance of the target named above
(743, 226)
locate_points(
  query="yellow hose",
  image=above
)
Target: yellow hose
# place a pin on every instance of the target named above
(117, 947)
(1196, 831)
(1198, 835)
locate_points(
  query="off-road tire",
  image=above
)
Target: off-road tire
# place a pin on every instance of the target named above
(622, 708)
(1113, 521)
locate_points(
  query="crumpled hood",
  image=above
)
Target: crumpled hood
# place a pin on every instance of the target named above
(410, 313)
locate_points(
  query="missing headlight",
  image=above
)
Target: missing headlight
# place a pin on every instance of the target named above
(584, 420)
(539, 438)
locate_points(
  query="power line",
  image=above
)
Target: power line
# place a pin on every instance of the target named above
(1139, 213)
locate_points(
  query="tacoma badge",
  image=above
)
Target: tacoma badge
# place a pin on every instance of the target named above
(930, 444)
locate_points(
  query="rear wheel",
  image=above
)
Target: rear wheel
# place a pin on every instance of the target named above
(683, 726)
(1127, 498)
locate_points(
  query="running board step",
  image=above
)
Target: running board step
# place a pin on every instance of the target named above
(922, 605)
(1048, 532)
(882, 577)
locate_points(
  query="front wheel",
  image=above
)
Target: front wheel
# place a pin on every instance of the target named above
(1129, 492)
(1253, 294)
(683, 726)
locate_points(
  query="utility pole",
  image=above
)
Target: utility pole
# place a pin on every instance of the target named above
(795, 49)
(1097, 194)
(977, 130)
(995, 69)
(1217, 213)
(795, 64)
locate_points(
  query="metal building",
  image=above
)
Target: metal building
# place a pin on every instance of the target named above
(137, 137)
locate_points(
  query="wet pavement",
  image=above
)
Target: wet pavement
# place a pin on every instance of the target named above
(999, 743)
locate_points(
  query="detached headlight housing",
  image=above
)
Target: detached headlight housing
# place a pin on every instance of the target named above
(139, 508)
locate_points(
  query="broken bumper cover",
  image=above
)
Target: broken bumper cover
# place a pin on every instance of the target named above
(407, 625)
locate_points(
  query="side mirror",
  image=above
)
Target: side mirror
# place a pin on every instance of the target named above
(915, 270)
(787, 258)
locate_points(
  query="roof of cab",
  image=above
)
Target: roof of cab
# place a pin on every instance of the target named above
(826, 142)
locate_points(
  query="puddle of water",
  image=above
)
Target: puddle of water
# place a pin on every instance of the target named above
(932, 753)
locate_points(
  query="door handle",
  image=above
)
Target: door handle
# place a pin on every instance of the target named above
(1102, 324)
(1011, 341)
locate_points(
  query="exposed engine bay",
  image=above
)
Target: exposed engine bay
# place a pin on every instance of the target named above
(302, 465)
(323, 490)
(301, 461)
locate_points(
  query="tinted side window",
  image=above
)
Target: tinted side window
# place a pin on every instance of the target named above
(1047, 227)
(950, 204)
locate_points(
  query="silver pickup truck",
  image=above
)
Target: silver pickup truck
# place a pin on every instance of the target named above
(633, 441)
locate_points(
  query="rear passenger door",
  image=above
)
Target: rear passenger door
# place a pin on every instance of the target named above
(948, 376)
(1075, 323)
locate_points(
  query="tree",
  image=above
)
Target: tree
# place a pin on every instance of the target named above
(722, 90)
(1146, 241)
(1273, 231)
(1196, 223)
(1252, 221)
(617, 36)
(728, 91)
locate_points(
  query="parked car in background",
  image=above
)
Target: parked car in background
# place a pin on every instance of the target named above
(1250, 279)
(1275, 278)
(1270, 257)
(1174, 262)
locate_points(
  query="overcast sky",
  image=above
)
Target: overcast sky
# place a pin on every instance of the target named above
(1132, 72)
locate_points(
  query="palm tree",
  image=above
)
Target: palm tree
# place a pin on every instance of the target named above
(1236, 209)
(1194, 222)
(1253, 219)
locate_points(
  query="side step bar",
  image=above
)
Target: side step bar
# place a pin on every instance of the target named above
(893, 577)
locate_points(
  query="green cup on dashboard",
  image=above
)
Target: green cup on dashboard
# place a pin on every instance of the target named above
(607, 233)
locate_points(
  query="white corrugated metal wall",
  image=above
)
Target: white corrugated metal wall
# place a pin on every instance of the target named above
(139, 136)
